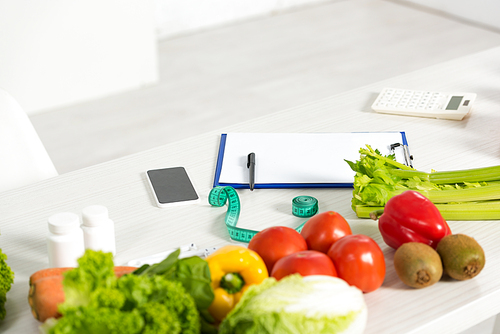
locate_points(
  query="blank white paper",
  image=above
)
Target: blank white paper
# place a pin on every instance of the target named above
(300, 157)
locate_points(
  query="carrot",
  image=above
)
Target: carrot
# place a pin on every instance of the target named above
(49, 272)
(46, 290)
(44, 296)
(122, 270)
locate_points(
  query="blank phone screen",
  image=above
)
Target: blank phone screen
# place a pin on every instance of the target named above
(172, 185)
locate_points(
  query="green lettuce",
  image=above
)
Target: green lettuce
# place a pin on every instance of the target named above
(96, 301)
(297, 305)
(194, 275)
(6, 281)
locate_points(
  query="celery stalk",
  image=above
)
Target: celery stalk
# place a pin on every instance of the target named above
(472, 194)
(484, 193)
(363, 211)
(483, 174)
(488, 210)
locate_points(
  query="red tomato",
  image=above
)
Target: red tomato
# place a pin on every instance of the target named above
(273, 243)
(304, 263)
(323, 229)
(359, 261)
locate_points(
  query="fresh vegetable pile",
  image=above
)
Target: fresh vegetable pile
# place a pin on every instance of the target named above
(472, 194)
(150, 300)
(286, 281)
(318, 278)
(228, 292)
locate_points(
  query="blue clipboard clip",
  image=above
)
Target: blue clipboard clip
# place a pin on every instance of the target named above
(406, 152)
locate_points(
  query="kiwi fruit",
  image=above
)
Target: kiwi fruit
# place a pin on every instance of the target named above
(463, 258)
(418, 265)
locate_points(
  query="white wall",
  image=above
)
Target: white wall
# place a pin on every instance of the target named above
(57, 52)
(177, 17)
(484, 12)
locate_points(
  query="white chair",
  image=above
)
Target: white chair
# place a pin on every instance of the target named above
(23, 158)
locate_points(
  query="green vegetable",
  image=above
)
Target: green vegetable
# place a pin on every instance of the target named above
(6, 281)
(297, 305)
(194, 275)
(192, 272)
(471, 194)
(97, 302)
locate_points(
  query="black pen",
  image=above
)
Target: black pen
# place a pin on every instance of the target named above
(251, 170)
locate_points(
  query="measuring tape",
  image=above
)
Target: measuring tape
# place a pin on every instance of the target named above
(220, 195)
(304, 206)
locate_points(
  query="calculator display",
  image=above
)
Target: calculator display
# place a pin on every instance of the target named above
(454, 103)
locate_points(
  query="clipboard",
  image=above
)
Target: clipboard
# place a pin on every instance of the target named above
(300, 160)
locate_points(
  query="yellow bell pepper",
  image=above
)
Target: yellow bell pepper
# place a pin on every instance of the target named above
(233, 269)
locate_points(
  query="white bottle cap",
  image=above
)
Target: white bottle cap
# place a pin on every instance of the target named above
(94, 215)
(63, 222)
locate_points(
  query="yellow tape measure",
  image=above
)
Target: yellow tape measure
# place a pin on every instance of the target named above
(302, 206)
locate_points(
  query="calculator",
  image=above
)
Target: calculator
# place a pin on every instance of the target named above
(424, 103)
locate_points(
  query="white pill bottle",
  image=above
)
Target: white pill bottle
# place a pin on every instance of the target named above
(65, 240)
(98, 229)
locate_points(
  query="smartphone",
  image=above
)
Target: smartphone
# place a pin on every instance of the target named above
(171, 186)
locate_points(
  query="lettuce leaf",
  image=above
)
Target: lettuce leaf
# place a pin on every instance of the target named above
(297, 305)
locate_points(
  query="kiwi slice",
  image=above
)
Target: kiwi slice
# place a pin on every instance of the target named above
(463, 258)
(418, 265)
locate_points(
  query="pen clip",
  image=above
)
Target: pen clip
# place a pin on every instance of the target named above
(250, 159)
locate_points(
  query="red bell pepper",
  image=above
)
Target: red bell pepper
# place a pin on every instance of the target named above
(411, 217)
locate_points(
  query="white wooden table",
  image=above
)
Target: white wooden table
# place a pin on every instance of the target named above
(143, 229)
